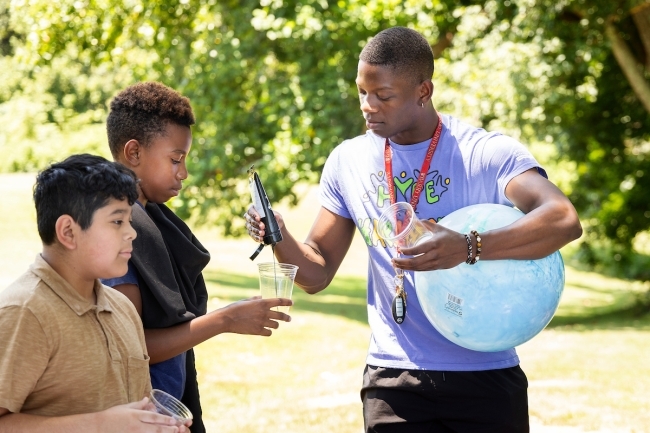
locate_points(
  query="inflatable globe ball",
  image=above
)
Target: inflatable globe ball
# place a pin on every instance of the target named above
(492, 305)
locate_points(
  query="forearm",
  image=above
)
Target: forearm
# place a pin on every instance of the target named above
(320, 256)
(539, 233)
(166, 343)
(252, 316)
(313, 275)
(24, 423)
(550, 223)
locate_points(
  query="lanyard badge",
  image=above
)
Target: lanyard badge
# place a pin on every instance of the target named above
(399, 301)
(398, 306)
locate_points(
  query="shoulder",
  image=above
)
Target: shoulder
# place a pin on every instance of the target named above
(360, 143)
(27, 292)
(472, 138)
(21, 291)
(27, 305)
(351, 152)
(464, 133)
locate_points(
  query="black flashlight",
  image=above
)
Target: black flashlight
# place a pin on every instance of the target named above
(272, 234)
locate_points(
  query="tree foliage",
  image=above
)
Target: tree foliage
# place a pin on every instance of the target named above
(596, 107)
(272, 83)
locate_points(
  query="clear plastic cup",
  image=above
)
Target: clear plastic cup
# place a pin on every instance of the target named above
(276, 281)
(398, 225)
(169, 405)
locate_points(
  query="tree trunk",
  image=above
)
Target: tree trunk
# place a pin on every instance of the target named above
(629, 65)
(443, 43)
(641, 17)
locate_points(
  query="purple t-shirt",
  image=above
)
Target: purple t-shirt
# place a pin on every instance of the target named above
(470, 166)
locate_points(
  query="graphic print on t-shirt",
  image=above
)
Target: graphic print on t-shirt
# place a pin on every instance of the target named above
(434, 187)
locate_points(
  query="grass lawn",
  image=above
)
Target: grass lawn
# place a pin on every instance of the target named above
(589, 371)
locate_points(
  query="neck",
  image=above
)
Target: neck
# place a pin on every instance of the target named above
(423, 129)
(141, 197)
(122, 160)
(66, 267)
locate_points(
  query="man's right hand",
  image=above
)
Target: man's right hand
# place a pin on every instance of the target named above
(255, 226)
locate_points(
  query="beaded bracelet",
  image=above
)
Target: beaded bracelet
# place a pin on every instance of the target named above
(478, 247)
(469, 249)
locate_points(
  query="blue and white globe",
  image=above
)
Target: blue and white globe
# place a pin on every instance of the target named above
(492, 305)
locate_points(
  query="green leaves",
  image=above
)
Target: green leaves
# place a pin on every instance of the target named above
(272, 84)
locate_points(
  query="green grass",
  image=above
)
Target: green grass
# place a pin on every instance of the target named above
(345, 297)
(589, 371)
(305, 378)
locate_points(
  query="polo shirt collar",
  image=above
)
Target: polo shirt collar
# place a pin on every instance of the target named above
(66, 292)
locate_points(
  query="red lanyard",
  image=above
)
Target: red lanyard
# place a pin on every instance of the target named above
(419, 185)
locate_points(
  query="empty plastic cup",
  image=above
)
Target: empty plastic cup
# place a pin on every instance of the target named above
(169, 405)
(276, 281)
(399, 226)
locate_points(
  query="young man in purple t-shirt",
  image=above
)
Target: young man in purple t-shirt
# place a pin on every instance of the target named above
(415, 379)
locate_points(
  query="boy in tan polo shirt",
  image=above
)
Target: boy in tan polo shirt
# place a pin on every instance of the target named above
(72, 351)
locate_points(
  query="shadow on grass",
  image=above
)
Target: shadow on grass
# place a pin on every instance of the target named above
(627, 310)
(634, 315)
(345, 296)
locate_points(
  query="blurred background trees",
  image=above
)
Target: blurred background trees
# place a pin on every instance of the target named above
(272, 84)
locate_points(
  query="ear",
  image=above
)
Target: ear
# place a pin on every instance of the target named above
(426, 91)
(131, 152)
(66, 229)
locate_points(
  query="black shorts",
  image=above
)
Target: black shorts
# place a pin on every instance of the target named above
(420, 401)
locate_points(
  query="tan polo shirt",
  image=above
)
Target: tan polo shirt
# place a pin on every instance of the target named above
(61, 355)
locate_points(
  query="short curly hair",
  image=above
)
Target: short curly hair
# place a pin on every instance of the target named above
(402, 49)
(142, 112)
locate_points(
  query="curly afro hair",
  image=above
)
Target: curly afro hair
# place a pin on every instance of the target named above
(142, 111)
(402, 49)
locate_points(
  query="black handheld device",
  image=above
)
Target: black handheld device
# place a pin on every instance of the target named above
(263, 207)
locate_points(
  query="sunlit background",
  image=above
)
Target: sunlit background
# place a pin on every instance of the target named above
(272, 84)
